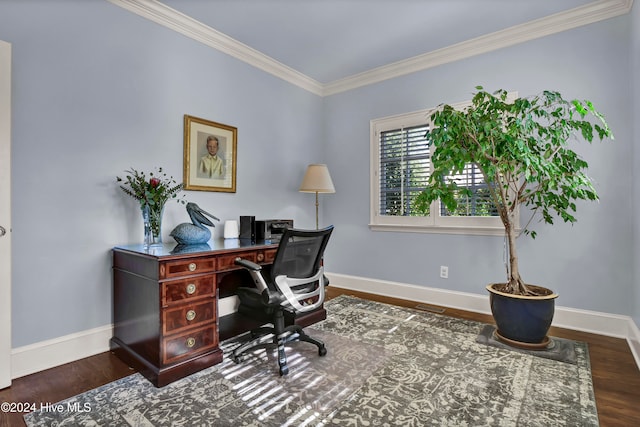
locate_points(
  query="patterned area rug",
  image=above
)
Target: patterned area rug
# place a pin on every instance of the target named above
(385, 366)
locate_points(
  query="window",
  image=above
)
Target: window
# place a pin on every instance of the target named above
(404, 169)
(479, 202)
(400, 170)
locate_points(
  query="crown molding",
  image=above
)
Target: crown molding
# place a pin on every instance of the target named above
(590, 13)
(595, 11)
(185, 25)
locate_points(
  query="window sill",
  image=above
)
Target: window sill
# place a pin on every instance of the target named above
(466, 230)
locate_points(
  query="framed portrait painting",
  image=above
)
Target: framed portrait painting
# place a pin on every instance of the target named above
(209, 155)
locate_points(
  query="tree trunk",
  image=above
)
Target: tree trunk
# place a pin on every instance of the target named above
(515, 285)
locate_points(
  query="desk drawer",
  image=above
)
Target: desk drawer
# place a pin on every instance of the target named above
(180, 290)
(187, 344)
(187, 266)
(228, 262)
(269, 256)
(188, 315)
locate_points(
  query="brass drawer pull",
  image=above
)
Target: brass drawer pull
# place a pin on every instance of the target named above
(191, 314)
(191, 288)
(260, 257)
(191, 342)
(192, 266)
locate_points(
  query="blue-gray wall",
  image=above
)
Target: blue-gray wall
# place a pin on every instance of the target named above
(590, 264)
(97, 90)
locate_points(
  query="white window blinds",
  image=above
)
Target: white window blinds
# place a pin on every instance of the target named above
(404, 169)
(400, 169)
(478, 200)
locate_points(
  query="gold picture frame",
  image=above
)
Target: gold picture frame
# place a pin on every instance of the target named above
(205, 167)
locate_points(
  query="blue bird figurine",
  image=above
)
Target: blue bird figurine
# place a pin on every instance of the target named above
(195, 233)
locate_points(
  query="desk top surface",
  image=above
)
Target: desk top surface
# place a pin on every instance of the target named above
(213, 245)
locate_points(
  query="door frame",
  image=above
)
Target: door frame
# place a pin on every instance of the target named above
(5, 214)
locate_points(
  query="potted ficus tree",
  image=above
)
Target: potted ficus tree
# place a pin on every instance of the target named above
(522, 149)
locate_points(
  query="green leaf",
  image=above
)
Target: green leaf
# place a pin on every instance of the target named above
(527, 140)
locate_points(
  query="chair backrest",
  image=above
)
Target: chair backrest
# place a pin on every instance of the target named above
(300, 252)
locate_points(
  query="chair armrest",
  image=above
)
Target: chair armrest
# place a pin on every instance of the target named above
(256, 273)
(247, 264)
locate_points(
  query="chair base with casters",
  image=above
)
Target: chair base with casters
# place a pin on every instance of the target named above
(276, 337)
(296, 285)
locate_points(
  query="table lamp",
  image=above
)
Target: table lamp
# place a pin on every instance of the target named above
(317, 180)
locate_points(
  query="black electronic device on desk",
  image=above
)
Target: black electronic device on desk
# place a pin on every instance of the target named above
(272, 229)
(248, 228)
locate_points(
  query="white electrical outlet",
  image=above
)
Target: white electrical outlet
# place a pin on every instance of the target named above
(444, 271)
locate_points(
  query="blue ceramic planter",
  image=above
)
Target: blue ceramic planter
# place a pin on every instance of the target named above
(523, 319)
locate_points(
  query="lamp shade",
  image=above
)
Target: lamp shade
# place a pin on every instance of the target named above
(317, 180)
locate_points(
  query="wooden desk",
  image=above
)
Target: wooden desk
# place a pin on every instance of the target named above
(165, 304)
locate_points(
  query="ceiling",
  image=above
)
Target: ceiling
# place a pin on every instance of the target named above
(331, 39)
(321, 43)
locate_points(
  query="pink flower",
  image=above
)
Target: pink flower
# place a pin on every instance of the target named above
(154, 182)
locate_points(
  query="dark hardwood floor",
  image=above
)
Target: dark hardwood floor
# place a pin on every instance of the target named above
(616, 378)
(59, 383)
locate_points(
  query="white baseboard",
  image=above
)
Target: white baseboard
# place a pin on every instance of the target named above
(51, 353)
(58, 351)
(634, 341)
(612, 325)
(228, 305)
(451, 299)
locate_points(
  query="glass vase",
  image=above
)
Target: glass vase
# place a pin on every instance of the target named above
(152, 220)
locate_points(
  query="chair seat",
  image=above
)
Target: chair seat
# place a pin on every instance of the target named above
(252, 301)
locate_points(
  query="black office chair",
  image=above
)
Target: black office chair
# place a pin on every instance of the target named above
(295, 283)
